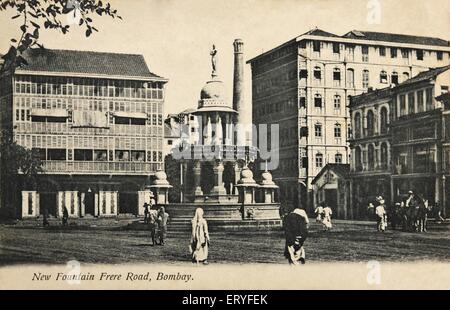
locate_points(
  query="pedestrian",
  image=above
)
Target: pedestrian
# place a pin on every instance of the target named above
(153, 223)
(438, 217)
(65, 217)
(146, 211)
(199, 238)
(296, 232)
(327, 212)
(380, 212)
(163, 217)
(45, 222)
(396, 215)
(319, 213)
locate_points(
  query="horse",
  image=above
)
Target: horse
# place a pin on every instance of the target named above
(416, 215)
(422, 216)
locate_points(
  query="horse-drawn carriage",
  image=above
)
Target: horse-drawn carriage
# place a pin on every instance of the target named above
(411, 213)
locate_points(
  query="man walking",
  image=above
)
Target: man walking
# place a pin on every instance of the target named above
(380, 212)
(296, 231)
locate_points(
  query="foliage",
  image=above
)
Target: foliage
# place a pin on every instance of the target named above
(16, 159)
(49, 14)
(172, 169)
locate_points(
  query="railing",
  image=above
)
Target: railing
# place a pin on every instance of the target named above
(226, 152)
(63, 128)
(422, 168)
(93, 167)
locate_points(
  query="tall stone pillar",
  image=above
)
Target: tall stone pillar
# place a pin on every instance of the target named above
(237, 176)
(82, 204)
(238, 79)
(29, 204)
(197, 178)
(218, 169)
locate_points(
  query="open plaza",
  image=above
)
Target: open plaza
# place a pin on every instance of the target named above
(348, 241)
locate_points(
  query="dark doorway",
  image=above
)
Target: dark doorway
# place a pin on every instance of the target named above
(128, 203)
(89, 204)
(331, 199)
(48, 201)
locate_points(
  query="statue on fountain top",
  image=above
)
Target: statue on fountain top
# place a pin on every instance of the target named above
(213, 54)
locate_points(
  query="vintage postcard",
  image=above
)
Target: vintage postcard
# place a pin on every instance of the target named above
(251, 144)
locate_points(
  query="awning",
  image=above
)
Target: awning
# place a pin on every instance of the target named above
(49, 112)
(131, 114)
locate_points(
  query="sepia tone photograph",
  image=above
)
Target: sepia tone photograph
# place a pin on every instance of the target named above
(232, 144)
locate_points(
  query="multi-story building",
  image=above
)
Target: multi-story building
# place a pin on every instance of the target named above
(417, 137)
(304, 84)
(96, 120)
(445, 100)
(398, 142)
(371, 148)
(181, 128)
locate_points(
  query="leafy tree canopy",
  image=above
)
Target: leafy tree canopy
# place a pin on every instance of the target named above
(50, 14)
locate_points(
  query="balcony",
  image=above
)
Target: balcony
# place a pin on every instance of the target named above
(92, 167)
(428, 168)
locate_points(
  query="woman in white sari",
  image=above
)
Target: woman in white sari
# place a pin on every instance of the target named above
(199, 238)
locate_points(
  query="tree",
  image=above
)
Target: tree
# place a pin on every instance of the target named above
(172, 168)
(19, 168)
(49, 14)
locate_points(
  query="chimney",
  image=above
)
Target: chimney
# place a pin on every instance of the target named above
(238, 79)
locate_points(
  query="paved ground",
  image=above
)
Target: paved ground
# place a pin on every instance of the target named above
(348, 241)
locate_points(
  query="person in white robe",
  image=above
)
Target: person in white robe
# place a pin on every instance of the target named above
(199, 238)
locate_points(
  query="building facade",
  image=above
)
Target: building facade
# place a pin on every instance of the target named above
(331, 187)
(445, 100)
(96, 120)
(304, 85)
(417, 135)
(398, 142)
(180, 129)
(370, 145)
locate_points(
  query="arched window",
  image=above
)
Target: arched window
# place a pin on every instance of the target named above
(365, 78)
(318, 101)
(383, 77)
(384, 156)
(350, 78)
(371, 156)
(319, 160)
(358, 159)
(370, 123)
(338, 158)
(337, 102)
(394, 78)
(318, 130)
(357, 126)
(337, 131)
(337, 77)
(383, 120)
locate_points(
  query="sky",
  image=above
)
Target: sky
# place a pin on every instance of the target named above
(175, 36)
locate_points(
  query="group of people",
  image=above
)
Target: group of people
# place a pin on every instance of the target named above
(323, 215)
(411, 213)
(156, 217)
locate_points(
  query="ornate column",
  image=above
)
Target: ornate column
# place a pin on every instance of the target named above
(218, 169)
(197, 175)
(237, 176)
